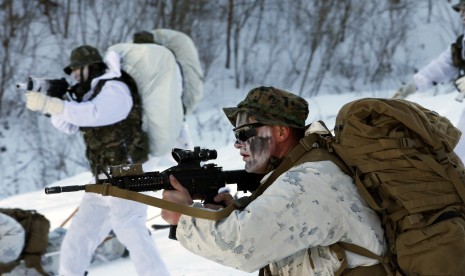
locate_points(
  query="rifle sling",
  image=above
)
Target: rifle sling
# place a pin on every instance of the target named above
(107, 189)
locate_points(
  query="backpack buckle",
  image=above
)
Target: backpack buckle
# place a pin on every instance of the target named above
(308, 143)
(407, 143)
(442, 157)
(305, 144)
(329, 145)
(105, 188)
(434, 118)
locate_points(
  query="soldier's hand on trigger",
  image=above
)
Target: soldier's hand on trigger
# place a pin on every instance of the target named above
(37, 101)
(223, 198)
(405, 90)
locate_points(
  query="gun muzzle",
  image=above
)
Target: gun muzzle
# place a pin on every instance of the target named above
(62, 189)
(21, 86)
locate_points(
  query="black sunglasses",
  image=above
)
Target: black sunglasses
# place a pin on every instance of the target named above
(244, 132)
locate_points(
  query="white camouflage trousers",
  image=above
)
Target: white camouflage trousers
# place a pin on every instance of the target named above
(98, 215)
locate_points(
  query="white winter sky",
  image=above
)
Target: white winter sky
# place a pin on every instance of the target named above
(178, 260)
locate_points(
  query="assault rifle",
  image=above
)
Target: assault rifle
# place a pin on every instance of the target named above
(202, 182)
(52, 87)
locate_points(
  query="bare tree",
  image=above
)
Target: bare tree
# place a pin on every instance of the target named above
(228, 32)
(244, 10)
(297, 45)
(16, 19)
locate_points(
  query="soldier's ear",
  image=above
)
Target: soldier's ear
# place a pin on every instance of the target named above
(282, 133)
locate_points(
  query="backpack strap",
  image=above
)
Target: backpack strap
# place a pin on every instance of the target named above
(265, 271)
(341, 256)
(107, 189)
(384, 260)
(307, 150)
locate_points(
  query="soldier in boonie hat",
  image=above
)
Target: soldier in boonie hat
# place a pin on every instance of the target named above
(271, 106)
(268, 122)
(82, 56)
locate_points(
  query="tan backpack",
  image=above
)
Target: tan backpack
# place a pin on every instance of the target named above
(402, 160)
(36, 228)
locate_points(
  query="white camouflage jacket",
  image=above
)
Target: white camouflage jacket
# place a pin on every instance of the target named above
(111, 105)
(439, 70)
(308, 208)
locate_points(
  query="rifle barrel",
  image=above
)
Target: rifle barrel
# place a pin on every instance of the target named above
(59, 189)
(245, 181)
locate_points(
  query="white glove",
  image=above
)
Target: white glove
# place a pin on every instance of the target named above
(460, 83)
(37, 101)
(405, 90)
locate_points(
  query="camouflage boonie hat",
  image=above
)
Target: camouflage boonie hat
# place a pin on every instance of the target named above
(82, 56)
(459, 5)
(271, 106)
(143, 37)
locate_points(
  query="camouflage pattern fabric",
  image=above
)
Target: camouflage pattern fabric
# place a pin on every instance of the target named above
(271, 106)
(121, 143)
(81, 56)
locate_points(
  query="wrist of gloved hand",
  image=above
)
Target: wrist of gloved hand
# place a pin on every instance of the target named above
(405, 90)
(40, 102)
(460, 84)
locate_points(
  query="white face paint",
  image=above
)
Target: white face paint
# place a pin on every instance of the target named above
(256, 151)
(76, 73)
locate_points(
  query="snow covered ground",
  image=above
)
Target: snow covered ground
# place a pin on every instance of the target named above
(58, 207)
(178, 260)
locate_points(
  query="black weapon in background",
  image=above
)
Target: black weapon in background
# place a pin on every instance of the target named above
(52, 87)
